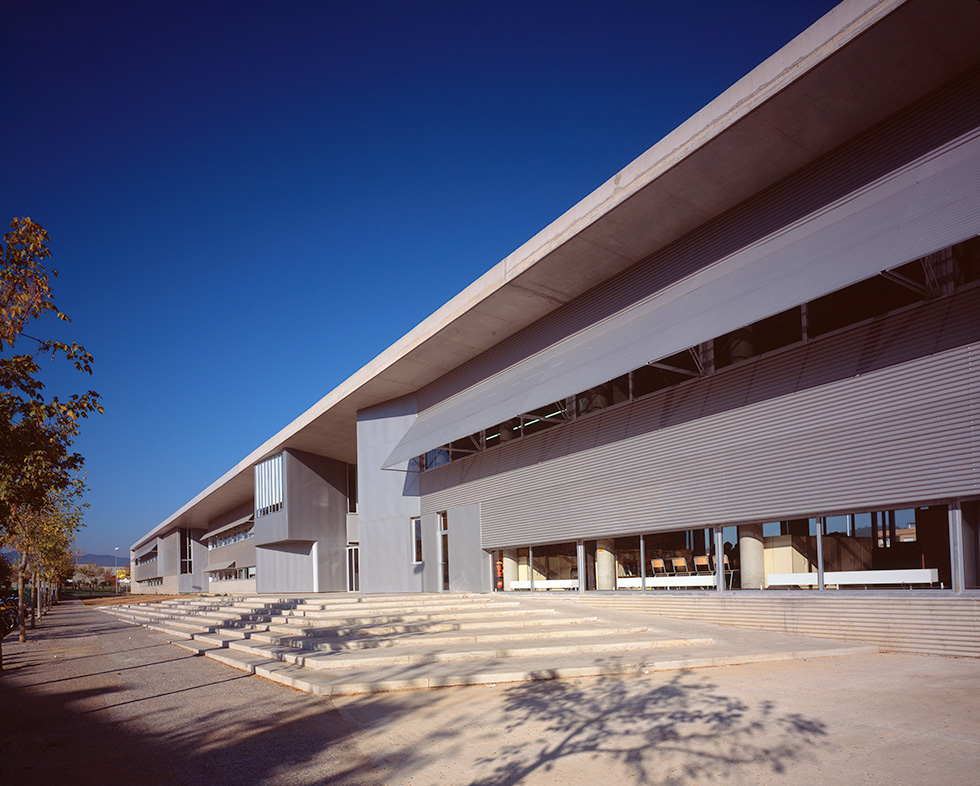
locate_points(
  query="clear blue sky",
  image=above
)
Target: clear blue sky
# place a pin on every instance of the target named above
(249, 201)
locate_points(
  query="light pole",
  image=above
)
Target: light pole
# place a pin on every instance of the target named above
(116, 564)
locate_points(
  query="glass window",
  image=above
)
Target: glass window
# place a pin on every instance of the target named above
(417, 539)
(790, 558)
(665, 373)
(758, 338)
(504, 432)
(186, 551)
(556, 566)
(542, 418)
(352, 488)
(913, 539)
(436, 458)
(856, 303)
(966, 261)
(682, 559)
(269, 486)
(605, 395)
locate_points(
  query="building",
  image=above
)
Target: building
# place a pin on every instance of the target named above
(747, 361)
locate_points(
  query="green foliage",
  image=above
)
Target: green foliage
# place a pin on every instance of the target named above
(6, 572)
(36, 433)
(90, 574)
(43, 536)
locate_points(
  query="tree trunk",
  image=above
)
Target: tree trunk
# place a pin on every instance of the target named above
(21, 610)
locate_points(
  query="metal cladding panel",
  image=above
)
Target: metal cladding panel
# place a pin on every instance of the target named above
(878, 415)
(241, 554)
(914, 211)
(150, 570)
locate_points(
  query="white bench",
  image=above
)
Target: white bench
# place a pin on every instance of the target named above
(840, 578)
(546, 584)
(654, 582)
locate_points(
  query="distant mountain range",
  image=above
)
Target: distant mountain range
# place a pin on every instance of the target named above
(105, 560)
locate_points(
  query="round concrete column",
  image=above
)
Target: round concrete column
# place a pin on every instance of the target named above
(509, 557)
(605, 565)
(751, 556)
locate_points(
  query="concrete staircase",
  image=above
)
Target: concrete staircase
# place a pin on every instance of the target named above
(343, 644)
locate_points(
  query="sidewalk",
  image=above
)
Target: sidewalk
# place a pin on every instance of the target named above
(91, 699)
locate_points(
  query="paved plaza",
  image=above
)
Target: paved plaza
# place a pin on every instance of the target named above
(92, 699)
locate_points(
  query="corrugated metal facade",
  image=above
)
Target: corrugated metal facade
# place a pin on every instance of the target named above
(916, 208)
(241, 554)
(878, 415)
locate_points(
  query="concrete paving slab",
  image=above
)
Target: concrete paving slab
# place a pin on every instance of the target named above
(92, 695)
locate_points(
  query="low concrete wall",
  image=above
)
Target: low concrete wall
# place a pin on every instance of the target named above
(939, 625)
(232, 587)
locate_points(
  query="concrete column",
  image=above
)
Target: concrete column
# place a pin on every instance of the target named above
(509, 557)
(956, 546)
(741, 344)
(605, 565)
(751, 556)
(971, 543)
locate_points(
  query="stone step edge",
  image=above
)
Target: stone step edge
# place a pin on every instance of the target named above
(346, 663)
(221, 639)
(311, 644)
(319, 614)
(245, 628)
(384, 628)
(274, 671)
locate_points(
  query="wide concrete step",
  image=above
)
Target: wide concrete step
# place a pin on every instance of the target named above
(395, 612)
(318, 612)
(332, 645)
(347, 599)
(151, 618)
(367, 630)
(379, 657)
(330, 642)
(386, 625)
(394, 618)
(482, 671)
(217, 612)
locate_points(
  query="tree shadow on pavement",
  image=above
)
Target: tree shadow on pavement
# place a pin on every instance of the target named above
(151, 716)
(668, 728)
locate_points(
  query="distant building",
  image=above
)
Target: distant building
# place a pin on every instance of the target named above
(747, 361)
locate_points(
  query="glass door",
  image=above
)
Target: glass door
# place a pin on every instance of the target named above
(353, 573)
(443, 521)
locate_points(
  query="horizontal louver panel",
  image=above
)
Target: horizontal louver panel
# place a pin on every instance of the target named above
(879, 415)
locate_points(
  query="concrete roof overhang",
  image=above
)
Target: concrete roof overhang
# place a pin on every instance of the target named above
(858, 64)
